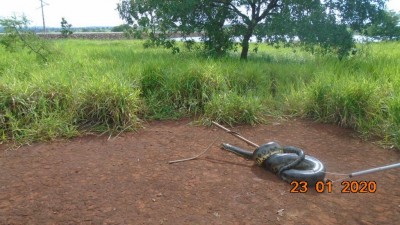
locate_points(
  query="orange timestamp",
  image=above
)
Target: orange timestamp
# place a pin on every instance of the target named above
(322, 187)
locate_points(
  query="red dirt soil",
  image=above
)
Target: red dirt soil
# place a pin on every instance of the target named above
(127, 180)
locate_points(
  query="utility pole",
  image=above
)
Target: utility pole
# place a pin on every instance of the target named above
(42, 4)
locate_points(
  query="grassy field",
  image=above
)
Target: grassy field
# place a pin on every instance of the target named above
(110, 86)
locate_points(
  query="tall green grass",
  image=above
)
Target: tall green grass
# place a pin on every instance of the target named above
(360, 92)
(112, 85)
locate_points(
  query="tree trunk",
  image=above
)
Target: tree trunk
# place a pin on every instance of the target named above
(246, 41)
(245, 46)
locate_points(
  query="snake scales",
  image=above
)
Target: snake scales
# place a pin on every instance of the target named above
(288, 162)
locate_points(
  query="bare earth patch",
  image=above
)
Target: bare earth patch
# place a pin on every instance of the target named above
(127, 180)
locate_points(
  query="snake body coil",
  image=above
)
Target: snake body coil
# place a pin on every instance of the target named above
(289, 162)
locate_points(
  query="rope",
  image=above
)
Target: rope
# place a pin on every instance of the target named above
(338, 180)
(338, 174)
(346, 176)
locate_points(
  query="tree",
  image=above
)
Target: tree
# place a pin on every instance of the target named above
(17, 37)
(207, 17)
(121, 28)
(210, 19)
(66, 30)
(388, 28)
(144, 14)
(277, 21)
(158, 20)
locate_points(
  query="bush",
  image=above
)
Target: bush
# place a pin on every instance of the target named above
(107, 105)
(348, 103)
(47, 110)
(178, 93)
(35, 112)
(231, 108)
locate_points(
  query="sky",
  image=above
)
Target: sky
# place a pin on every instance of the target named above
(80, 13)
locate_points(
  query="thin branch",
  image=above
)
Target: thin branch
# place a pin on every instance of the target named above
(273, 4)
(232, 7)
(253, 10)
(195, 157)
(258, 7)
(29, 46)
(237, 11)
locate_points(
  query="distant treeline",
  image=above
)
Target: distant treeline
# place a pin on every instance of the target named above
(73, 29)
(85, 35)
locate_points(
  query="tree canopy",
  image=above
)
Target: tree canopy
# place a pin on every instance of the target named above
(323, 23)
(388, 28)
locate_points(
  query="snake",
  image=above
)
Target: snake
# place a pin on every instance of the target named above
(288, 162)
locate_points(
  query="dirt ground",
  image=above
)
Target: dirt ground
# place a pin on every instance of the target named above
(127, 180)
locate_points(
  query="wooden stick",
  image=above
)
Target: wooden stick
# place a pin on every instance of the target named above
(236, 134)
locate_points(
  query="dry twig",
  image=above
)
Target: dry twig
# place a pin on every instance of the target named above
(195, 157)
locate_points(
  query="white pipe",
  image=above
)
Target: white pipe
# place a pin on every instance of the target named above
(374, 170)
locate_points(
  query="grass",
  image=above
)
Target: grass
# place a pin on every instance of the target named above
(110, 86)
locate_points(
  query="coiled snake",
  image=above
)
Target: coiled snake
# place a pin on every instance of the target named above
(288, 162)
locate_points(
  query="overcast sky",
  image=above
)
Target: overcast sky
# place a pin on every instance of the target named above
(79, 13)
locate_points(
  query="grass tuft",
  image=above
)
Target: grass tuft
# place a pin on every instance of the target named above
(232, 108)
(107, 105)
(109, 86)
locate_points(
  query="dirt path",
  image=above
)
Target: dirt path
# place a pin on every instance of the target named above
(127, 180)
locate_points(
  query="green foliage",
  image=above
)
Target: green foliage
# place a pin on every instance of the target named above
(133, 33)
(107, 105)
(159, 21)
(178, 92)
(44, 111)
(387, 28)
(232, 108)
(35, 112)
(358, 93)
(322, 23)
(110, 86)
(121, 28)
(326, 37)
(66, 30)
(346, 103)
(392, 134)
(144, 14)
(17, 37)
